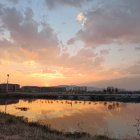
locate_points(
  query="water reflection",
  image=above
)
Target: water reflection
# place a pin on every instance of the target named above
(114, 118)
(8, 102)
(109, 105)
(22, 108)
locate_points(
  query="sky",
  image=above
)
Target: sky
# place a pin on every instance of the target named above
(70, 42)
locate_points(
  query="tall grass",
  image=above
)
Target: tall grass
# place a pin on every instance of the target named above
(18, 128)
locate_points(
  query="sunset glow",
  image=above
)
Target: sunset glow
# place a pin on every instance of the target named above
(64, 42)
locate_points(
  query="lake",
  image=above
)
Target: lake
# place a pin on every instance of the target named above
(110, 118)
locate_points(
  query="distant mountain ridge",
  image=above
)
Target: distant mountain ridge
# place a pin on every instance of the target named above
(128, 83)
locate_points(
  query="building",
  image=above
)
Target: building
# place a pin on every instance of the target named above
(31, 89)
(77, 89)
(53, 89)
(42, 89)
(9, 88)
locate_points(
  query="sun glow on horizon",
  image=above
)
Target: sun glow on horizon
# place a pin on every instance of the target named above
(77, 42)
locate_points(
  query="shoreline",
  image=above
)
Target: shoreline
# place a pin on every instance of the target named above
(18, 128)
(127, 98)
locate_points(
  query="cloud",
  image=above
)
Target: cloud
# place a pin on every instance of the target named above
(73, 3)
(133, 70)
(71, 41)
(36, 43)
(25, 32)
(81, 18)
(31, 49)
(41, 46)
(111, 21)
(104, 51)
(137, 48)
(129, 83)
(14, 1)
(26, 35)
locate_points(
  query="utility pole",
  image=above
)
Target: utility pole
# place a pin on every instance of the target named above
(5, 106)
(7, 82)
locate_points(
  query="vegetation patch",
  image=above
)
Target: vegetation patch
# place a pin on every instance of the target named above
(18, 128)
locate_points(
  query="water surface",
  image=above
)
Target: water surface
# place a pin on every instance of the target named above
(109, 118)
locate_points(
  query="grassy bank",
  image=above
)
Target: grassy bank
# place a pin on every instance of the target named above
(17, 128)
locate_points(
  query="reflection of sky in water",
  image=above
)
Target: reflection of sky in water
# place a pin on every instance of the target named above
(116, 119)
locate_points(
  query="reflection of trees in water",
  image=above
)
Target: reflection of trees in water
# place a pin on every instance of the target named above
(137, 126)
(22, 108)
(108, 105)
(105, 103)
(114, 105)
(8, 102)
(40, 101)
(29, 100)
(70, 102)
